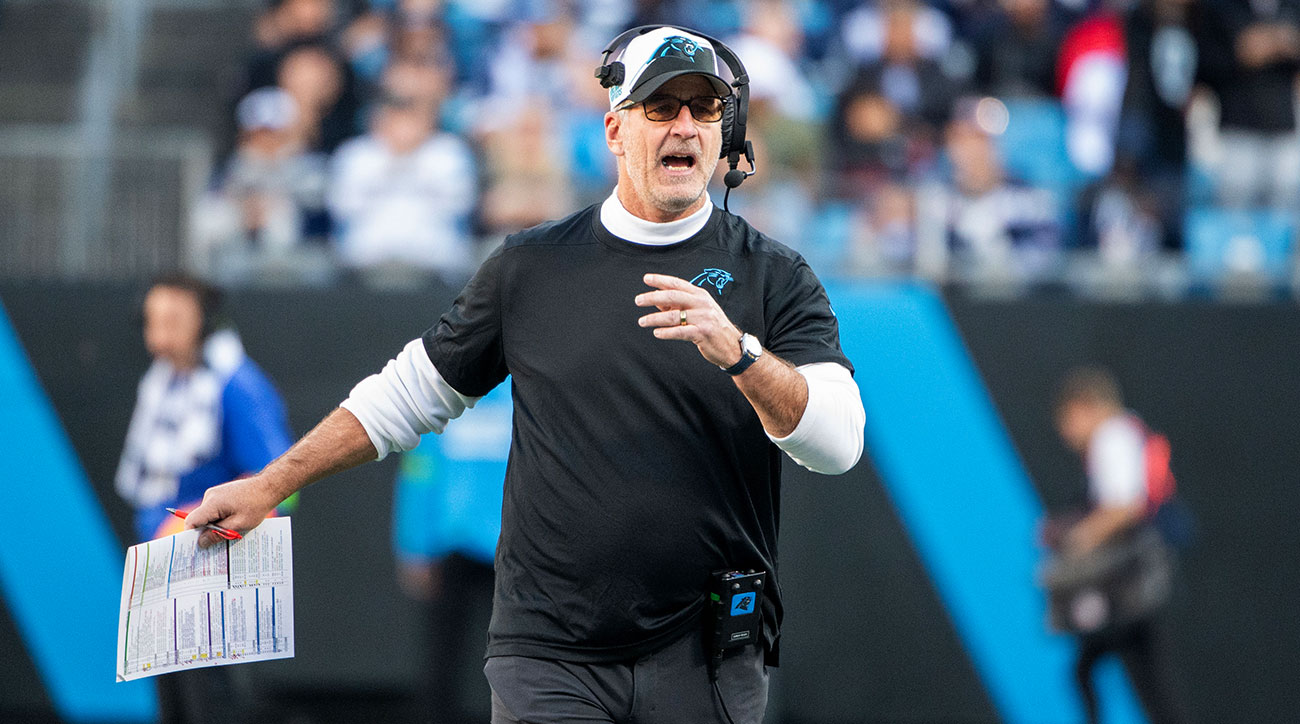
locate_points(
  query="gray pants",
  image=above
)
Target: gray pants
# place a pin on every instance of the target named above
(1259, 169)
(669, 686)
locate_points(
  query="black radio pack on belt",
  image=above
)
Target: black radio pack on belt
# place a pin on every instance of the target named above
(735, 598)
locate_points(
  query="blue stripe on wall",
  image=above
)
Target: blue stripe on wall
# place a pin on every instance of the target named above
(965, 498)
(60, 566)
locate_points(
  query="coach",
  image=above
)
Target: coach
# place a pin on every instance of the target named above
(639, 466)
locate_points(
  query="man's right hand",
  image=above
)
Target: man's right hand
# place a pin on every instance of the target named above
(240, 505)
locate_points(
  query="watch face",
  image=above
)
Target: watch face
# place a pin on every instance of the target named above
(750, 345)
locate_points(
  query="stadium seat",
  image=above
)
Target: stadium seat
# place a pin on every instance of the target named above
(827, 241)
(1033, 146)
(1250, 242)
(1033, 149)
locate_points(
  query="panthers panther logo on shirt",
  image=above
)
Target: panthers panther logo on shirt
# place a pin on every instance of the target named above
(719, 278)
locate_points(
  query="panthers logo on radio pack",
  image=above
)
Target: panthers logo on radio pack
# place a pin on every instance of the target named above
(719, 278)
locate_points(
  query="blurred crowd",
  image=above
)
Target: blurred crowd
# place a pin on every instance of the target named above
(986, 139)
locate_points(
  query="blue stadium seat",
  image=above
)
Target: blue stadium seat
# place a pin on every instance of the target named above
(1033, 149)
(828, 237)
(1247, 241)
(1033, 146)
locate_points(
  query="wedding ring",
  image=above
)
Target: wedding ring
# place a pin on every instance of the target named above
(682, 323)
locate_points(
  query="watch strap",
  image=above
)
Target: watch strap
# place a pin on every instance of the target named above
(746, 359)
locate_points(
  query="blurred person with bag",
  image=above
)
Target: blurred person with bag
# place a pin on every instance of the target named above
(1111, 574)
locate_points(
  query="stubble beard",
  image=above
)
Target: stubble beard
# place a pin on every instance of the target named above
(672, 198)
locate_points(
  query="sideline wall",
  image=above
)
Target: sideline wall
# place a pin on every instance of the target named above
(867, 639)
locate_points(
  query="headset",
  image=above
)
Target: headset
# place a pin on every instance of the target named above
(209, 298)
(735, 107)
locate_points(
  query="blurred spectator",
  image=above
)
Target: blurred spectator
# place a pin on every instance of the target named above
(446, 522)
(1251, 65)
(1152, 144)
(771, 46)
(530, 62)
(777, 201)
(783, 124)
(997, 227)
(271, 195)
(524, 125)
(906, 75)
(365, 44)
(1016, 44)
(592, 168)
(1090, 77)
(1125, 217)
(321, 84)
(284, 25)
(882, 236)
(871, 148)
(402, 194)
(527, 173)
(868, 32)
(418, 32)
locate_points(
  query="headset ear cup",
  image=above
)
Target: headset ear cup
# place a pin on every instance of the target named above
(728, 124)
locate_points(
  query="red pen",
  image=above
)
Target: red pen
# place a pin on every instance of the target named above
(226, 533)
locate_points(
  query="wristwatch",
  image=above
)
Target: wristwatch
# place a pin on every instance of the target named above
(750, 351)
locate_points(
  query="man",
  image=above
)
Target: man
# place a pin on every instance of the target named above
(205, 413)
(639, 466)
(1128, 479)
(996, 225)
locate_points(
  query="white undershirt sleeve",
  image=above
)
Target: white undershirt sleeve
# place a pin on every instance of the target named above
(404, 401)
(1117, 463)
(828, 438)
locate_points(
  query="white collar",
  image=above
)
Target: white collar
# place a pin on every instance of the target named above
(621, 223)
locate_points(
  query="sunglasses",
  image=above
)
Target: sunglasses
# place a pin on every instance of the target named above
(705, 109)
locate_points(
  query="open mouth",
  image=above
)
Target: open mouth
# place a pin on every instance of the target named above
(678, 163)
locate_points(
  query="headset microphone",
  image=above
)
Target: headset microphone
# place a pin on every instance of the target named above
(735, 176)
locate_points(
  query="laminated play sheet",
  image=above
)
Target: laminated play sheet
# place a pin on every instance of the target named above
(185, 607)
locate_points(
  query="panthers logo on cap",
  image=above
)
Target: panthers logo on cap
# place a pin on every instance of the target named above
(677, 47)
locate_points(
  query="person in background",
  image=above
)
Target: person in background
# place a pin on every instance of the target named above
(522, 125)
(403, 193)
(1164, 66)
(205, 413)
(321, 84)
(783, 124)
(283, 26)
(906, 71)
(997, 227)
(271, 196)
(1129, 478)
(446, 521)
(1251, 65)
(1015, 44)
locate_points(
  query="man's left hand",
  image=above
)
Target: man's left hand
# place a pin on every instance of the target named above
(689, 313)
